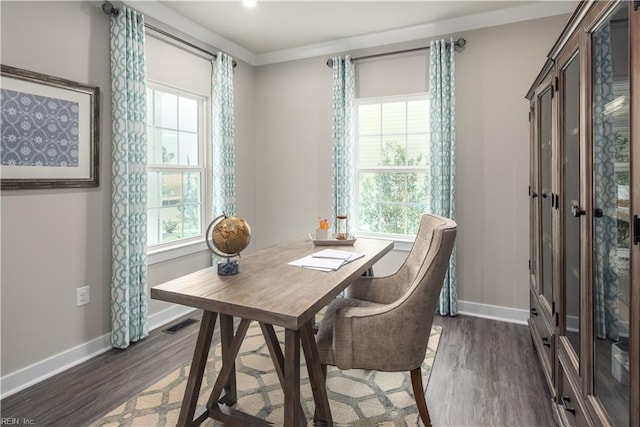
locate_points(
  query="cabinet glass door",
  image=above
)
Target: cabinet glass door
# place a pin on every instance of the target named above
(610, 134)
(546, 243)
(533, 201)
(572, 211)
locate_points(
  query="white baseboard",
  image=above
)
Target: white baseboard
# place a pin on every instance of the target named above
(573, 324)
(495, 312)
(168, 315)
(39, 371)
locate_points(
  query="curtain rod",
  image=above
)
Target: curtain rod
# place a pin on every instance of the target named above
(461, 42)
(108, 8)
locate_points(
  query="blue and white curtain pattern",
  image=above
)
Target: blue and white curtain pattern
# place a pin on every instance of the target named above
(129, 181)
(442, 152)
(604, 189)
(223, 148)
(343, 125)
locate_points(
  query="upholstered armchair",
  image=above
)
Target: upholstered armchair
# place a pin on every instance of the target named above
(384, 323)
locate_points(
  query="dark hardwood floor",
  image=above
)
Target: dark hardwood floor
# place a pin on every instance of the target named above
(485, 374)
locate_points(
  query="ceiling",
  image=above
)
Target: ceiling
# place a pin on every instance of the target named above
(278, 25)
(276, 31)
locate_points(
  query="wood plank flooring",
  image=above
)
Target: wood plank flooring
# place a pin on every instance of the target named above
(485, 374)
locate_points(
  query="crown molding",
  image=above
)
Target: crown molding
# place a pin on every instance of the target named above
(526, 12)
(455, 25)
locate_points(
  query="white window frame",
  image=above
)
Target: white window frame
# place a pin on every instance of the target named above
(166, 251)
(403, 241)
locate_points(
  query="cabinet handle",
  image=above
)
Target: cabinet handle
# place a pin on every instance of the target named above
(597, 212)
(544, 195)
(636, 230)
(534, 311)
(566, 402)
(532, 194)
(545, 342)
(576, 211)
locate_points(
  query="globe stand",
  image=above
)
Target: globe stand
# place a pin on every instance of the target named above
(228, 268)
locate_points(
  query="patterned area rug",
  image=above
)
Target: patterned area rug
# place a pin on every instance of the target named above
(357, 397)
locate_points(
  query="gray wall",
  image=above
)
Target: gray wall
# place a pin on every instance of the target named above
(54, 241)
(293, 143)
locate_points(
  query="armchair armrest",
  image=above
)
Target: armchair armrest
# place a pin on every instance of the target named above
(381, 290)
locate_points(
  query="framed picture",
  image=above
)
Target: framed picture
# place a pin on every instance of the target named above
(49, 130)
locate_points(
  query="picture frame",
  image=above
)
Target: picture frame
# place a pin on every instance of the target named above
(49, 131)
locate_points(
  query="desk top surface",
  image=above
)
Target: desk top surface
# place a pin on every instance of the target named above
(269, 290)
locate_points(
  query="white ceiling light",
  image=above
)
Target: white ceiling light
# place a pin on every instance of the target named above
(249, 3)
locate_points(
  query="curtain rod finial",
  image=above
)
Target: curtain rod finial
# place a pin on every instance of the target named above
(108, 8)
(330, 62)
(461, 42)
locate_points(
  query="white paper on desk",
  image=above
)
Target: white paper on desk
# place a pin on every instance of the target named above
(322, 264)
(338, 254)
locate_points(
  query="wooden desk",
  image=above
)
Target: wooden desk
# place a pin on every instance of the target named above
(273, 293)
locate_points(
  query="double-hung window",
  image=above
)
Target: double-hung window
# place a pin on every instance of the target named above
(176, 167)
(392, 160)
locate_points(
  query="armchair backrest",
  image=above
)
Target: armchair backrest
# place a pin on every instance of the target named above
(435, 234)
(420, 281)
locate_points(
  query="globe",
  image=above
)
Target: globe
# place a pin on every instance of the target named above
(230, 235)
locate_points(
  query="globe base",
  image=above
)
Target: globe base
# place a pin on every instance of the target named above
(228, 268)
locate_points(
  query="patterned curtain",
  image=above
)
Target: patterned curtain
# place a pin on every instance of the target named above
(442, 163)
(604, 189)
(343, 141)
(129, 181)
(223, 149)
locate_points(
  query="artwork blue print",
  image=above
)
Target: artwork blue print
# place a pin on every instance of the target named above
(38, 130)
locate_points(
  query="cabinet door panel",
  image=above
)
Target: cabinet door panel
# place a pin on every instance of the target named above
(534, 202)
(571, 211)
(569, 402)
(546, 241)
(543, 340)
(611, 219)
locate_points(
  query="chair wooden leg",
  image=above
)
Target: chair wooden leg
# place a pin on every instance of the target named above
(418, 393)
(317, 416)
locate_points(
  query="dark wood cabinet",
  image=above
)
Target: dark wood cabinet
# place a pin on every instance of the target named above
(585, 216)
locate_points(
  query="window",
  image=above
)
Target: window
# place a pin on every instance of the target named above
(392, 164)
(176, 166)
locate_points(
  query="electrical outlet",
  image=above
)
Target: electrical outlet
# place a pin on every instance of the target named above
(82, 296)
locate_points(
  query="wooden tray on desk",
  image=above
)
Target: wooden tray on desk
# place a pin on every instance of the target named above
(334, 242)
